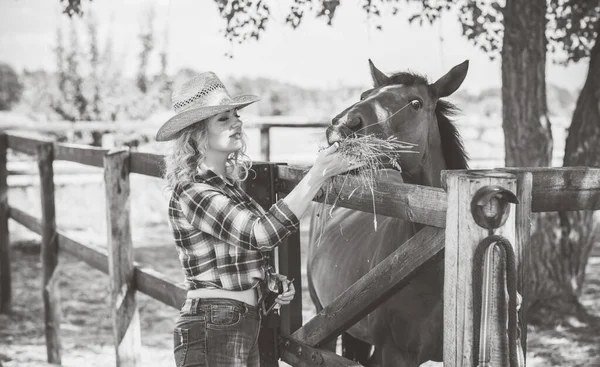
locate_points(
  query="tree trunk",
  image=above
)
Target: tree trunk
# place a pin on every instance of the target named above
(528, 139)
(559, 274)
(527, 131)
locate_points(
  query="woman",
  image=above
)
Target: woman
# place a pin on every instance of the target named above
(221, 234)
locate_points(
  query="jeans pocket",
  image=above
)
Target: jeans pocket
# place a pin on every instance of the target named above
(224, 316)
(180, 345)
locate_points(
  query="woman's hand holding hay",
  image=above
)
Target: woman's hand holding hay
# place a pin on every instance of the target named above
(330, 163)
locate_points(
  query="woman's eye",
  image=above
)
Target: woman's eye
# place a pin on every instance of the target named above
(416, 104)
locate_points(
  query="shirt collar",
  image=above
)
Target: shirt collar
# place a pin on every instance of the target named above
(210, 177)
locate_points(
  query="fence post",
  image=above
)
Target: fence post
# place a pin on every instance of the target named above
(5, 282)
(265, 143)
(49, 253)
(463, 235)
(125, 314)
(289, 259)
(260, 185)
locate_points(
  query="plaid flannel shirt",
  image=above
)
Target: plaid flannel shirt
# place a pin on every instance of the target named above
(220, 233)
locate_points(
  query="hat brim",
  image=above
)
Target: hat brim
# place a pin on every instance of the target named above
(169, 130)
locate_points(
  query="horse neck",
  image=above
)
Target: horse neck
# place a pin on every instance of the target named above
(429, 171)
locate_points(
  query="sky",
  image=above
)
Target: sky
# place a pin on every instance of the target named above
(314, 55)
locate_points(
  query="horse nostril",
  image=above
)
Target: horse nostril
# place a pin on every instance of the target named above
(354, 123)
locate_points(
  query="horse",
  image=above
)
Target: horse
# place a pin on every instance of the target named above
(407, 329)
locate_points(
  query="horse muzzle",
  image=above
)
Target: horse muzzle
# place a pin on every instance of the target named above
(336, 134)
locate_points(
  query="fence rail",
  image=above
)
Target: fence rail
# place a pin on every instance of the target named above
(552, 189)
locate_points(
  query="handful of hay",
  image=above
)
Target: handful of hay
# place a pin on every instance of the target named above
(375, 153)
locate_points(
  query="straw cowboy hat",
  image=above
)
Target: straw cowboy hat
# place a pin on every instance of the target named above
(197, 99)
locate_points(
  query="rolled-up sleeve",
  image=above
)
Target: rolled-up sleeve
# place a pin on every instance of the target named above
(213, 212)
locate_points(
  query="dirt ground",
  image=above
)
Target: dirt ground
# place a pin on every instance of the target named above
(86, 331)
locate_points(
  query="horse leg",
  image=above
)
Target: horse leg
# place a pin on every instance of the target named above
(355, 349)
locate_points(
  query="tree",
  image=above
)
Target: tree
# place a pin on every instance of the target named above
(146, 37)
(558, 273)
(10, 87)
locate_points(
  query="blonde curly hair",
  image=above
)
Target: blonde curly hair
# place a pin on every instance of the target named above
(188, 152)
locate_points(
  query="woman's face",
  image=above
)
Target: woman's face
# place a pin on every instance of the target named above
(225, 132)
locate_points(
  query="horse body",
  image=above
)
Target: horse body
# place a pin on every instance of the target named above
(407, 329)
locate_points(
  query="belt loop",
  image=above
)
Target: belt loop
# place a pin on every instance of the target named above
(194, 306)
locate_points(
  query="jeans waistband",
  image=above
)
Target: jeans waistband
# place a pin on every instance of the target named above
(194, 306)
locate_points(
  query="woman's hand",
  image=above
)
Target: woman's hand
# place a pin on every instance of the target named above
(288, 294)
(329, 163)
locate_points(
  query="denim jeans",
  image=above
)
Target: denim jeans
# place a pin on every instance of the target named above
(216, 332)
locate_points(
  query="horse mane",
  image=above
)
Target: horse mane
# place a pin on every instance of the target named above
(452, 145)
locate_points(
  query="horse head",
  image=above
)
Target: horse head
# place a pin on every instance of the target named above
(406, 106)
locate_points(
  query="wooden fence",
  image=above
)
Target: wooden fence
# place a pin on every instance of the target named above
(446, 214)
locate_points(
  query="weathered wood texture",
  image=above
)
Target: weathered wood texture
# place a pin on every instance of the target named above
(83, 154)
(25, 144)
(463, 236)
(148, 164)
(260, 187)
(299, 354)
(159, 287)
(374, 288)
(125, 314)
(421, 204)
(265, 144)
(523, 236)
(563, 188)
(289, 258)
(49, 254)
(5, 277)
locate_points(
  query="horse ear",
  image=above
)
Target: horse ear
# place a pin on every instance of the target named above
(450, 82)
(379, 78)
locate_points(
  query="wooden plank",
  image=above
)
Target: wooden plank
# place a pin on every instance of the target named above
(83, 154)
(5, 273)
(28, 221)
(303, 355)
(148, 164)
(562, 188)
(125, 314)
(289, 259)
(463, 236)
(420, 204)
(159, 287)
(265, 144)
(25, 144)
(94, 256)
(49, 254)
(374, 288)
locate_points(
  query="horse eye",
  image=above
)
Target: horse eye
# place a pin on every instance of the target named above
(416, 104)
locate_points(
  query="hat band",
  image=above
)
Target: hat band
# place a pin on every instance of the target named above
(213, 95)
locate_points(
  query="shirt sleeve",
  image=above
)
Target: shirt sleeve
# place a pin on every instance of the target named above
(213, 212)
